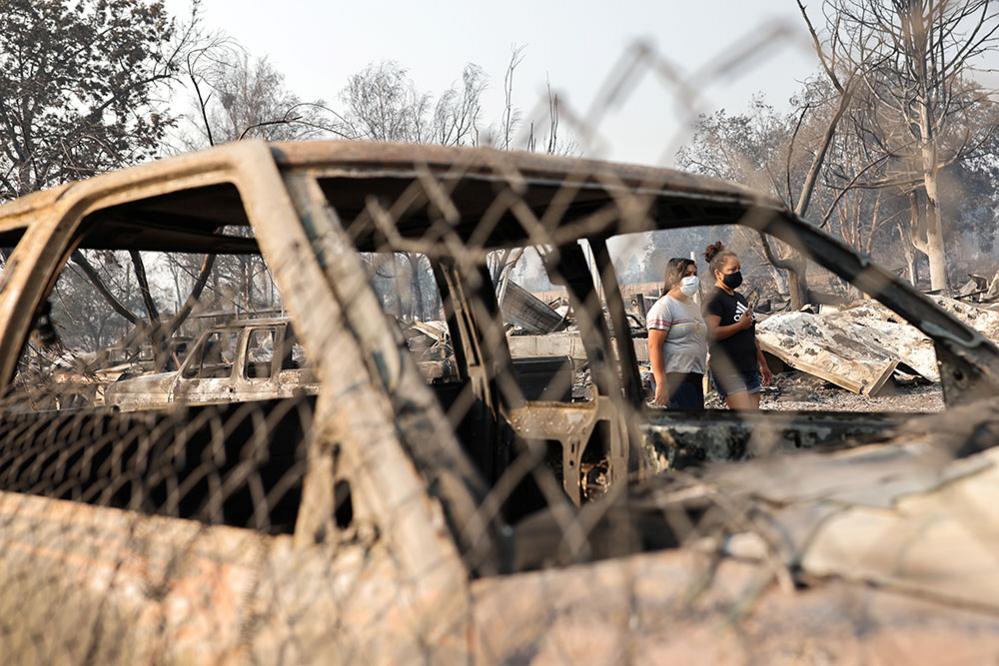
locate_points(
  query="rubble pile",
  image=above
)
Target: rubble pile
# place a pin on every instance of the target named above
(860, 348)
(430, 343)
(980, 289)
(984, 319)
(828, 349)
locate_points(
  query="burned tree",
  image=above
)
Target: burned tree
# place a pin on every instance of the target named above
(382, 103)
(920, 103)
(894, 111)
(236, 96)
(839, 94)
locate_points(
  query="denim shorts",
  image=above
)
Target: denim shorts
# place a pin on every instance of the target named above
(746, 381)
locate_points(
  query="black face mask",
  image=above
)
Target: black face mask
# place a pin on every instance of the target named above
(732, 280)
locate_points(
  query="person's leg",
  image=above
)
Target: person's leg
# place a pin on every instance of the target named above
(697, 391)
(742, 401)
(686, 392)
(754, 385)
(747, 397)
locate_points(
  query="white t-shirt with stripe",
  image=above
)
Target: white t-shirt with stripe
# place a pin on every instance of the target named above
(686, 347)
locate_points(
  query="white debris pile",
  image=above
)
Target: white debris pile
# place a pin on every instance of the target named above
(829, 349)
(862, 347)
(430, 343)
(983, 319)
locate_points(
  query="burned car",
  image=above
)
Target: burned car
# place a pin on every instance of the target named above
(388, 519)
(252, 359)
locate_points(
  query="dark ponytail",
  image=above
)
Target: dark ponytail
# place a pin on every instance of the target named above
(716, 255)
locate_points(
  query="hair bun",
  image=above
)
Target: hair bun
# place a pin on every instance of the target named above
(713, 250)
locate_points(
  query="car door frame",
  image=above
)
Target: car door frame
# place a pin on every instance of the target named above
(430, 572)
(226, 389)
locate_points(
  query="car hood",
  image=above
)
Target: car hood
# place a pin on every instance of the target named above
(151, 381)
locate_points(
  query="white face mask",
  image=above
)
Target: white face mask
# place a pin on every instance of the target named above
(689, 285)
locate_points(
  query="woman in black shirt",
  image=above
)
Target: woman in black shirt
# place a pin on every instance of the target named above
(738, 368)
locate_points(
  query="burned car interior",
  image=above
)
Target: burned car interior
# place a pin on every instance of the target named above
(383, 403)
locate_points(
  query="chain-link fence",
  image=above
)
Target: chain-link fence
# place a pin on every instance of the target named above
(412, 417)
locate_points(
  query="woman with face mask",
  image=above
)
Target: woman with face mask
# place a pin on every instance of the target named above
(738, 367)
(678, 344)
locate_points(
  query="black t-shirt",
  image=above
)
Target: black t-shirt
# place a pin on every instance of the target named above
(736, 353)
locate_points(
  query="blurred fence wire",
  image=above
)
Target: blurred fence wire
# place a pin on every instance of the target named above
(382, 447)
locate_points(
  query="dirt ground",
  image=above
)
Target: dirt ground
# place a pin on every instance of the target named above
(794, 391)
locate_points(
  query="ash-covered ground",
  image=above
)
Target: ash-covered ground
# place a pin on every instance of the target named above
(795, 391)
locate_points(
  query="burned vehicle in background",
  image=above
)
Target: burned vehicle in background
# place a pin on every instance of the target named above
(244, 360)
(385, 518)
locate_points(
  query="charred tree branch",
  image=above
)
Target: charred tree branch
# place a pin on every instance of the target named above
(88, 269)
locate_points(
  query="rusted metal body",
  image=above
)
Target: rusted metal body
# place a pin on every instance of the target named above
(675, 607)
(422, 570)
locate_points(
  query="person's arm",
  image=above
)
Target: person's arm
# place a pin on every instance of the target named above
(761, 359)
(657, 359)
(659, 322)
(718, 332)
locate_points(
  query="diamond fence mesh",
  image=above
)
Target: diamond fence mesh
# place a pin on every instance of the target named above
(415, 458)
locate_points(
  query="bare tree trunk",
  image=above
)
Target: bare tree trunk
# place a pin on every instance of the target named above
(176, 286)
(935, 246)
(919, 233)
(911, 268)
(414, 270)
(392, 260)
(244, 285)
(811, 179)
(796, 265)
(920, 27)
(875, 224)
(509, 122)
(936, 250)
(199, 286)
(147, 295)
(158, 337)
(80, 260)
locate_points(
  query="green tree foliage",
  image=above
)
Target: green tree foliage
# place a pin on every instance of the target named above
(78, 88)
